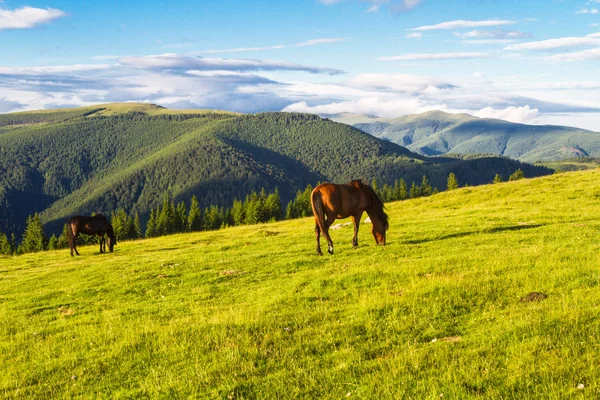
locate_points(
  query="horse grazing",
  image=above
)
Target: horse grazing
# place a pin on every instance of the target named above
(96, 225)
(343, 201)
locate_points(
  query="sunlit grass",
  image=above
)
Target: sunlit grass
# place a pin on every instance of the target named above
(253, 312)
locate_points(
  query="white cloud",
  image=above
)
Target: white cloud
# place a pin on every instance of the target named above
(394, 5)
(522, 115)
(463, 24)
(414, 35)
(556, 43)
(497, 34)
(488, 41)
(435, 56)
(56, 69)
(28, 17)
(585, 55)
(179, 62)
(397, 82)
(367, 105)
(313, 42)
(587, 11)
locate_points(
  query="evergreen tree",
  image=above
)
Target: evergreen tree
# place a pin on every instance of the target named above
(435, 191)
(302, 202)
(13, 242)
(402, 193)
(52, 243)
(238, 214)
(374, 185)
(63, 239)
(151, 225)
(290, 210)
(34, 238)
(515, 176)
(387, 193)
(273, 206)
(425, 187)
(414, 191)
(5, 247)
(253, 209)
(497, 179)
(452, 181)
(122, 225)
(194, 222)
(181, 217)
(137, 226)
(213, 218)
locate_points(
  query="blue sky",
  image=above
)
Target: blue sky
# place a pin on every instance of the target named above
(534, 61)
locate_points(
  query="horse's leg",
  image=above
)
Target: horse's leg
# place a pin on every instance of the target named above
(356, 220)
(328, 223)
(74, 245)
(101, 242)
(318, 234)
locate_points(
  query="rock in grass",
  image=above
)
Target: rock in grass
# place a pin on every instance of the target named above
(533, 296)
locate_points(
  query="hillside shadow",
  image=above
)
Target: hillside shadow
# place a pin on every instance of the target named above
(463, 234)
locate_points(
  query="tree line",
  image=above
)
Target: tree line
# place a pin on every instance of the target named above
(171, 217)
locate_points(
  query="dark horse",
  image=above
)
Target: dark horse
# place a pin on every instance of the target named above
(343, 201)
(96, 225)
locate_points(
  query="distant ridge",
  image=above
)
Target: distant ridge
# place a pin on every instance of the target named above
(436, 133)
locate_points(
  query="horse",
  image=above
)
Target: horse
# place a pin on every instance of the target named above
(96, 225)
(343, 201)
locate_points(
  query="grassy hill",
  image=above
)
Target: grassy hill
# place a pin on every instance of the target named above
(97, 159)
(437, 132)
(252, 312)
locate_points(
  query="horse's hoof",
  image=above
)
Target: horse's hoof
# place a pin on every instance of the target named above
(330, 251)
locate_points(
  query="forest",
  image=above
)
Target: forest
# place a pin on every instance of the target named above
(97, 160)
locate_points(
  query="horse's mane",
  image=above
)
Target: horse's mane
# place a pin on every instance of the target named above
(376, 201)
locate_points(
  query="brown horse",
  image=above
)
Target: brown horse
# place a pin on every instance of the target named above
(343, 201)
(96, 225)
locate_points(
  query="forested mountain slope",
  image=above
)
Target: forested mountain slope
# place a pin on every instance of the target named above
(66, 162)
(436, 132)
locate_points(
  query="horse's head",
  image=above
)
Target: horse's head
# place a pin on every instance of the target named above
(377, 214)
(112, 241)
(379, 228)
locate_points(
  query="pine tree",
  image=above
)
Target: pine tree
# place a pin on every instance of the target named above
(414, 191)
(137, 226)
(402, 192)
(213, 218)
(181, 217)
(387, 193)
(63, 239)
(52, 243)
(452, 181)
(374, 185)
(425, 187)
(194, 222)
(34, 238)
(5, 247)
(497, 179)
(435, 191)
(238, 215)
(273, 206)
(515, 176)
(290, 210)
(151, 225)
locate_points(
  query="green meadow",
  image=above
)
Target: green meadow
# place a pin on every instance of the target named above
(253, 313)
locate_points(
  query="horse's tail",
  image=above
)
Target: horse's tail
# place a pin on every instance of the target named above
(70, 234)
(316, 201)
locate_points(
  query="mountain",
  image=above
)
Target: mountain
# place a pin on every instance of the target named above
(75, 161)
(436, 132)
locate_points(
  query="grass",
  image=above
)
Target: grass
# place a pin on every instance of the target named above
(252, 312)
